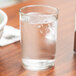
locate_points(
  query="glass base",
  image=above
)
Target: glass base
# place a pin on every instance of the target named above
(33, 64)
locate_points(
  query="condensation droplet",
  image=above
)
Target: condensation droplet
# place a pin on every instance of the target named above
(39, 26)
(41, 31)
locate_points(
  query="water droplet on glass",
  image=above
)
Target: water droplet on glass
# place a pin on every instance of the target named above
(39, 26)
(41, 31)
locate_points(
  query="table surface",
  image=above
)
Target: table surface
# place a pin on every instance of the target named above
(65, 65)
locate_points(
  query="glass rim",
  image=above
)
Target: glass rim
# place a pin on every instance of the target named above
(47, 6)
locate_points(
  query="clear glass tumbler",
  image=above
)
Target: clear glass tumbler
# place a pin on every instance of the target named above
(38, 24)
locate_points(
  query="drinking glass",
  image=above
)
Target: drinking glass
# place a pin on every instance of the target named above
(38, 24)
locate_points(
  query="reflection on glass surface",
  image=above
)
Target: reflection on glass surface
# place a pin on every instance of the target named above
(49, 72)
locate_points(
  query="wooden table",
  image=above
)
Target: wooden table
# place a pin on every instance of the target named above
(10, 56)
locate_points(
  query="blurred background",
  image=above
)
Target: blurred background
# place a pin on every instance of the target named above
(6, 3)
